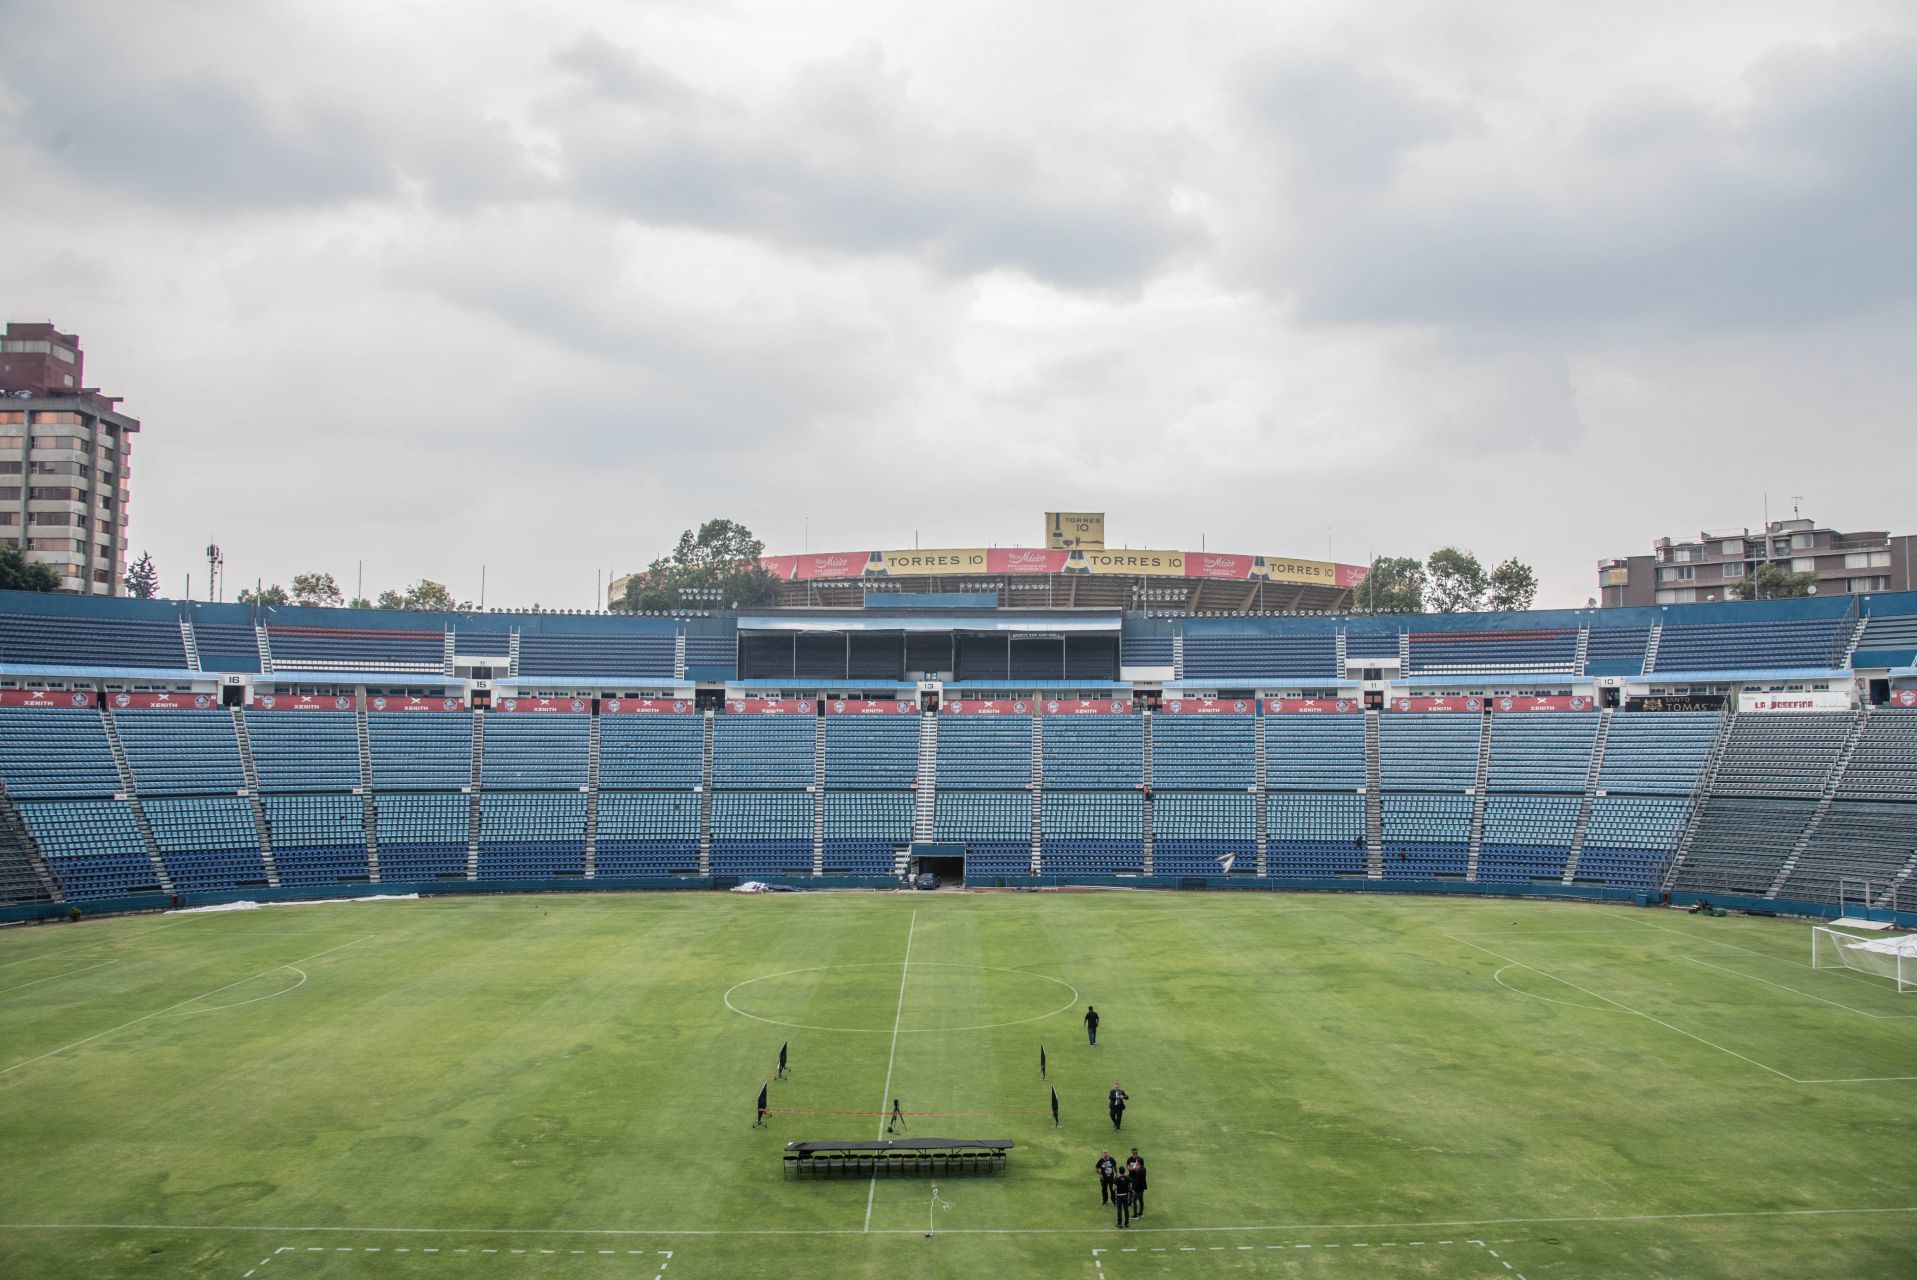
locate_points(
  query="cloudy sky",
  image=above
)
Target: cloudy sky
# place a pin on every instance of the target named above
(535, 286)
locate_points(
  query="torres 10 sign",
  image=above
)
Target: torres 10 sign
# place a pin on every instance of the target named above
(1087, 559)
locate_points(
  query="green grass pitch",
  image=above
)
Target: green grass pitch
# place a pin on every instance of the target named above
(1324, 1086)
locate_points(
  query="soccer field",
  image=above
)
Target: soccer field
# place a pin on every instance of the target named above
(1323, 1086)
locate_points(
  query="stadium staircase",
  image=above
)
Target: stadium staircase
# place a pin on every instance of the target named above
(1583, 654)
(252, 774)
(589, 867)
(678, 655)
(1145, 746)
(370, 812)
(14, 836)
(512, 653)
(1650, 649)
(1705, 782)
(266, 648)
(474, 809)
(818, 795)
(446, 653)
(1849, 647)
(1589, 802)
(1260, 800)
(1483, 784)
(134, 806)
(1825, 799)
(190, 643)
(1339, 652)
(1178, 654)
(1374, 800)
(926, 799)
(1037, 784)
(1404, 653)
(705, 786)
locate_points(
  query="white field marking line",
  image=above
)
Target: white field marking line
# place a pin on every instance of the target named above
(217, 1008)
(1498, 978)
(1247, 1248)
(282, 1230)
(910, 1031)
(885, 1102)
(181, 1005)
(1737, 973)
(92, 946)
(1766, 955)
(50, 977)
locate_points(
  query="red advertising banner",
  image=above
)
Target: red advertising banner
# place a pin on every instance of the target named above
(413, 702)
(771, 706)
(164, 701)
(1552, 702)
(647, 706)
(870, 707)
(1209, 707)
(1903, 698)
(830, 564)
(302, 702)
(989, 707)
(544, 706)
(1437, 704)
(1312, 706)
(1206, 565)
(81, 698)
(1086, 707)
(1025, 560)
(1350, 575)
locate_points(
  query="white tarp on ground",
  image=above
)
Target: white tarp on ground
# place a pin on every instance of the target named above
(1905, 945)
(1851, 922)
(250, 905)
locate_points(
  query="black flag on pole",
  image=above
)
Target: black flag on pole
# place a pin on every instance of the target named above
(1054, 1108)
(760, 1122)
(782, 1049)
(1041, 1060)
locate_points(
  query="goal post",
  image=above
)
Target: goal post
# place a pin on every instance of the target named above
(1893, 957)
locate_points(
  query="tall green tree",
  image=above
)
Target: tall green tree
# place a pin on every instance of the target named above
(1458, 580)
(317, 589)
(271, 593)
(17, 573)
(142, 578)
(716, 566)
(1513, 586)
(1393, 584)
(1774, 582)
(425, 595)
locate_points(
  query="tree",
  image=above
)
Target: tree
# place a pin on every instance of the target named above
(1393, 584)
(1458, 582)
(317, 589)
(271, 593)
(1775, 582)
(1513, 586)
(143, 580)
(423, 595)
(716, 567)
(17, 573)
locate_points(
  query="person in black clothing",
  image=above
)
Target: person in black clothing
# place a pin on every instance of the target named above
(1122, 1198)
(1091, 1024)
(1117, 1099)
(1135, 1169)
(1107, 1170)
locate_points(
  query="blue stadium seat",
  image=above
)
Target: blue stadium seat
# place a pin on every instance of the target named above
(984, 753)
(647, 833)
(93, 847)
(1193, 830)
(1311, 834)
(1207, 752)
(55, 640)
(650, 752)
(1314, 753)
(318, 839)
(1427, 751)
(1093, 752)
(50, 752)
(536, 751)
(356, 649)
(1427, 837)
(871, 751)
(864, 828)
(772, 752)
(603, 654)
(181, 752)
(421, 750)
(207, 842)
(994, 826)
(762, 833)
(1541, 750)
(422, 837)
(304, 750)
(531, 834)
(1092, 832)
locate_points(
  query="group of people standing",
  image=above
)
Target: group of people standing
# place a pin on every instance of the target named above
(1122, 1185)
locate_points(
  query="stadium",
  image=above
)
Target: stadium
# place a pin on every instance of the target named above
(1409, 935)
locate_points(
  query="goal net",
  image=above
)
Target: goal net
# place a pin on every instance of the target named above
(1894, 958)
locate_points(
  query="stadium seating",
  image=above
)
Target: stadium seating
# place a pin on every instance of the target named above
(1541, 751)
(1207, 752)
(1426, 837)
(54, 640)
(1854, 840)
(863, 829)
(1371, 644)
(1092, 832)
(1802, 642)
(531, 834)
(93, 847)
(181, 752)
(1515, 652)
(355, 649)
(650, 752)
(472, 642)
(1147, 651)
(1742, 842)
(1884, 765)
(536, 751)
(1616, 651)
(1314, 835)
(1420, 751)
(984, 753)
(18, 883)
(871, 751)
(1316, 753)
(712, 654)
(422, 837)
(606, 655)
(207, 842)
(421, 750)
(1781, 754)
(995, 827)
(304, 750)
(49, 752)
(1660, 753)
(1631, 839)
(1192, 830)
(647, 833)
(1527, 837)
(1093, 752)
(762, 751)
(762, 833)
(227, 646)
(1269, 657)
(1888, 640)
(318, 839)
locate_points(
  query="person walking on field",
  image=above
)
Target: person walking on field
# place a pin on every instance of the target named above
(1117, 1099)
(1107, 1170)
(1091, 1024)
(1135, 1169)
(1122, 1198)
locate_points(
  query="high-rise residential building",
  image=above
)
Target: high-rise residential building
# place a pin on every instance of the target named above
(1711, 566)
(65, 459)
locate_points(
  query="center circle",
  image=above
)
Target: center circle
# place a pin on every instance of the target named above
(977, 997)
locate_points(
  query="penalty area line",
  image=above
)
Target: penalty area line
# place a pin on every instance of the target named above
(898, 1016)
